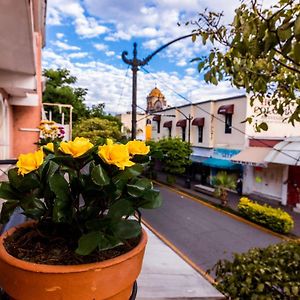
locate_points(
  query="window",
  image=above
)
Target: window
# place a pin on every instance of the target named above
(183, 133)
(170, 132)
(158, 126)
(228, 123)
(200, 134)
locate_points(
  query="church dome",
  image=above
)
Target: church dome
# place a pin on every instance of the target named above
(156, 93)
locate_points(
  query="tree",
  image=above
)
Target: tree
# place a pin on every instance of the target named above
(222, 183)
(175, 155)
(60, 89)
(258, 51)
(97, 130)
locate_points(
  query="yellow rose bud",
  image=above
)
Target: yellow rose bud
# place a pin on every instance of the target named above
(77, 147)
(115, 154)
(30, 162)
(50, 146)
(138, 147)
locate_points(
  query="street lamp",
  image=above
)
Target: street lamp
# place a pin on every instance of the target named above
(135, 63)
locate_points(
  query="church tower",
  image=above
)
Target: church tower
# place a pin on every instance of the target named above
(155, 101)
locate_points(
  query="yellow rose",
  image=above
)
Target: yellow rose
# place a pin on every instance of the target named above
(30, 162)
(77, 147)
(115, 154)
(138, 147)
(50, 146)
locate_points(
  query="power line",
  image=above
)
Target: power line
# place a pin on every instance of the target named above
(123, 86)
(216, 117)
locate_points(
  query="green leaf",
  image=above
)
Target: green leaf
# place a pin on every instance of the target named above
(88, 242)
(263, 126)
(59, 186)
(6, 192)
(22, 183)
(126, 229)
(137, 188)
(297, 28)
(121, 208)
(8, 208)
(151, 199)
(296, 51)
(99, 176)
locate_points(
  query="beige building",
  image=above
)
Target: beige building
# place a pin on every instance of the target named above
(222, 141)
(126, 124)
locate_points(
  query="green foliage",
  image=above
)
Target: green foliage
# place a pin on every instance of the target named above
(222, 183)
(60, 89)
(95, 200)
(175, 155)
(270, 273)
(273, 218)
(97, 130)
(258, 51)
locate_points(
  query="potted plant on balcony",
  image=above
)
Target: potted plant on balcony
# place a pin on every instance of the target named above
(85, 240)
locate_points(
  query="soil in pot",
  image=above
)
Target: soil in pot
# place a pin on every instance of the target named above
(55, 245)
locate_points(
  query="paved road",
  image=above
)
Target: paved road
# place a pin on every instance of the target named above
(202, 233)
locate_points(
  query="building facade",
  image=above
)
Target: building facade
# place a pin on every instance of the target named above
(221, 140)
(22, 36)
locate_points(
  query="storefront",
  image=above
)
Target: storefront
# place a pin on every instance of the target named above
(220, 161)
(261, 177)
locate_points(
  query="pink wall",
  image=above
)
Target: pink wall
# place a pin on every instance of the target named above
(28, 116)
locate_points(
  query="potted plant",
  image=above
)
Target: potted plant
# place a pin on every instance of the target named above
(85, 240)
(222, 183)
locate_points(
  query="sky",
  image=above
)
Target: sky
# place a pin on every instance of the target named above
(88, 37)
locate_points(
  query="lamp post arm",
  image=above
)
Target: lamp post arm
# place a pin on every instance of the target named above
(149, 57)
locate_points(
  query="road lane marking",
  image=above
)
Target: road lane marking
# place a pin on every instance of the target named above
(180, 253)
(233, 216)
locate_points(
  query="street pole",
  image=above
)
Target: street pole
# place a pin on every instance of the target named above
(135, 63)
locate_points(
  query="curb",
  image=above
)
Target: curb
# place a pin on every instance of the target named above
(179, 252)
(232, 215)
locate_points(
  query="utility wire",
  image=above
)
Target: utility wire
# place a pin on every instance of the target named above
(216, 117)
(123, 86)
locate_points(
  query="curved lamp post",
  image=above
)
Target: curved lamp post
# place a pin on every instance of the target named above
(135, 63)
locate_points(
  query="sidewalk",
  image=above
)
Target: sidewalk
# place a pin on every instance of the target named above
(166, 276)
(233, 199)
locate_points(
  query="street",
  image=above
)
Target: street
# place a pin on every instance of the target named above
(201, 233)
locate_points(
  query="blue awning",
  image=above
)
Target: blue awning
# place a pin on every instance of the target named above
(220, 163)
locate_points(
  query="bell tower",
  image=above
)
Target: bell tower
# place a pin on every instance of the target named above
(155, 101)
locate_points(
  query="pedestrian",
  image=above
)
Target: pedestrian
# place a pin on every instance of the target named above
(239, 186)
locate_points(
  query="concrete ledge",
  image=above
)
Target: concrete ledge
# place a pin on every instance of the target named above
(204, 189)
(166, 276)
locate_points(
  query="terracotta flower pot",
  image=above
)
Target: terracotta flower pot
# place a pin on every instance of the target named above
(112, 279)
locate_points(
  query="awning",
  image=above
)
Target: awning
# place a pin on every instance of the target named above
(157, 118)
(220, 163)
(168, 124)
(286, 152)
(197, 158)
(253, 156)
(198, 122)
(181, 123)
(226, 109)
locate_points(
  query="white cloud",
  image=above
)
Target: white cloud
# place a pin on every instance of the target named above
(60, 35)
(110, 53)
(78, 55)
(100, 46)
(86, 27)
(109, 84)
(65, 46)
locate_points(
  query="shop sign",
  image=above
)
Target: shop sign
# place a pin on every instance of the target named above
(224, 153)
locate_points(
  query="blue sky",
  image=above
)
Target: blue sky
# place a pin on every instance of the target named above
(88, 37)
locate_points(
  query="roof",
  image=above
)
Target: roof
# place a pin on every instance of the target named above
(286, 152)
(156, 93)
